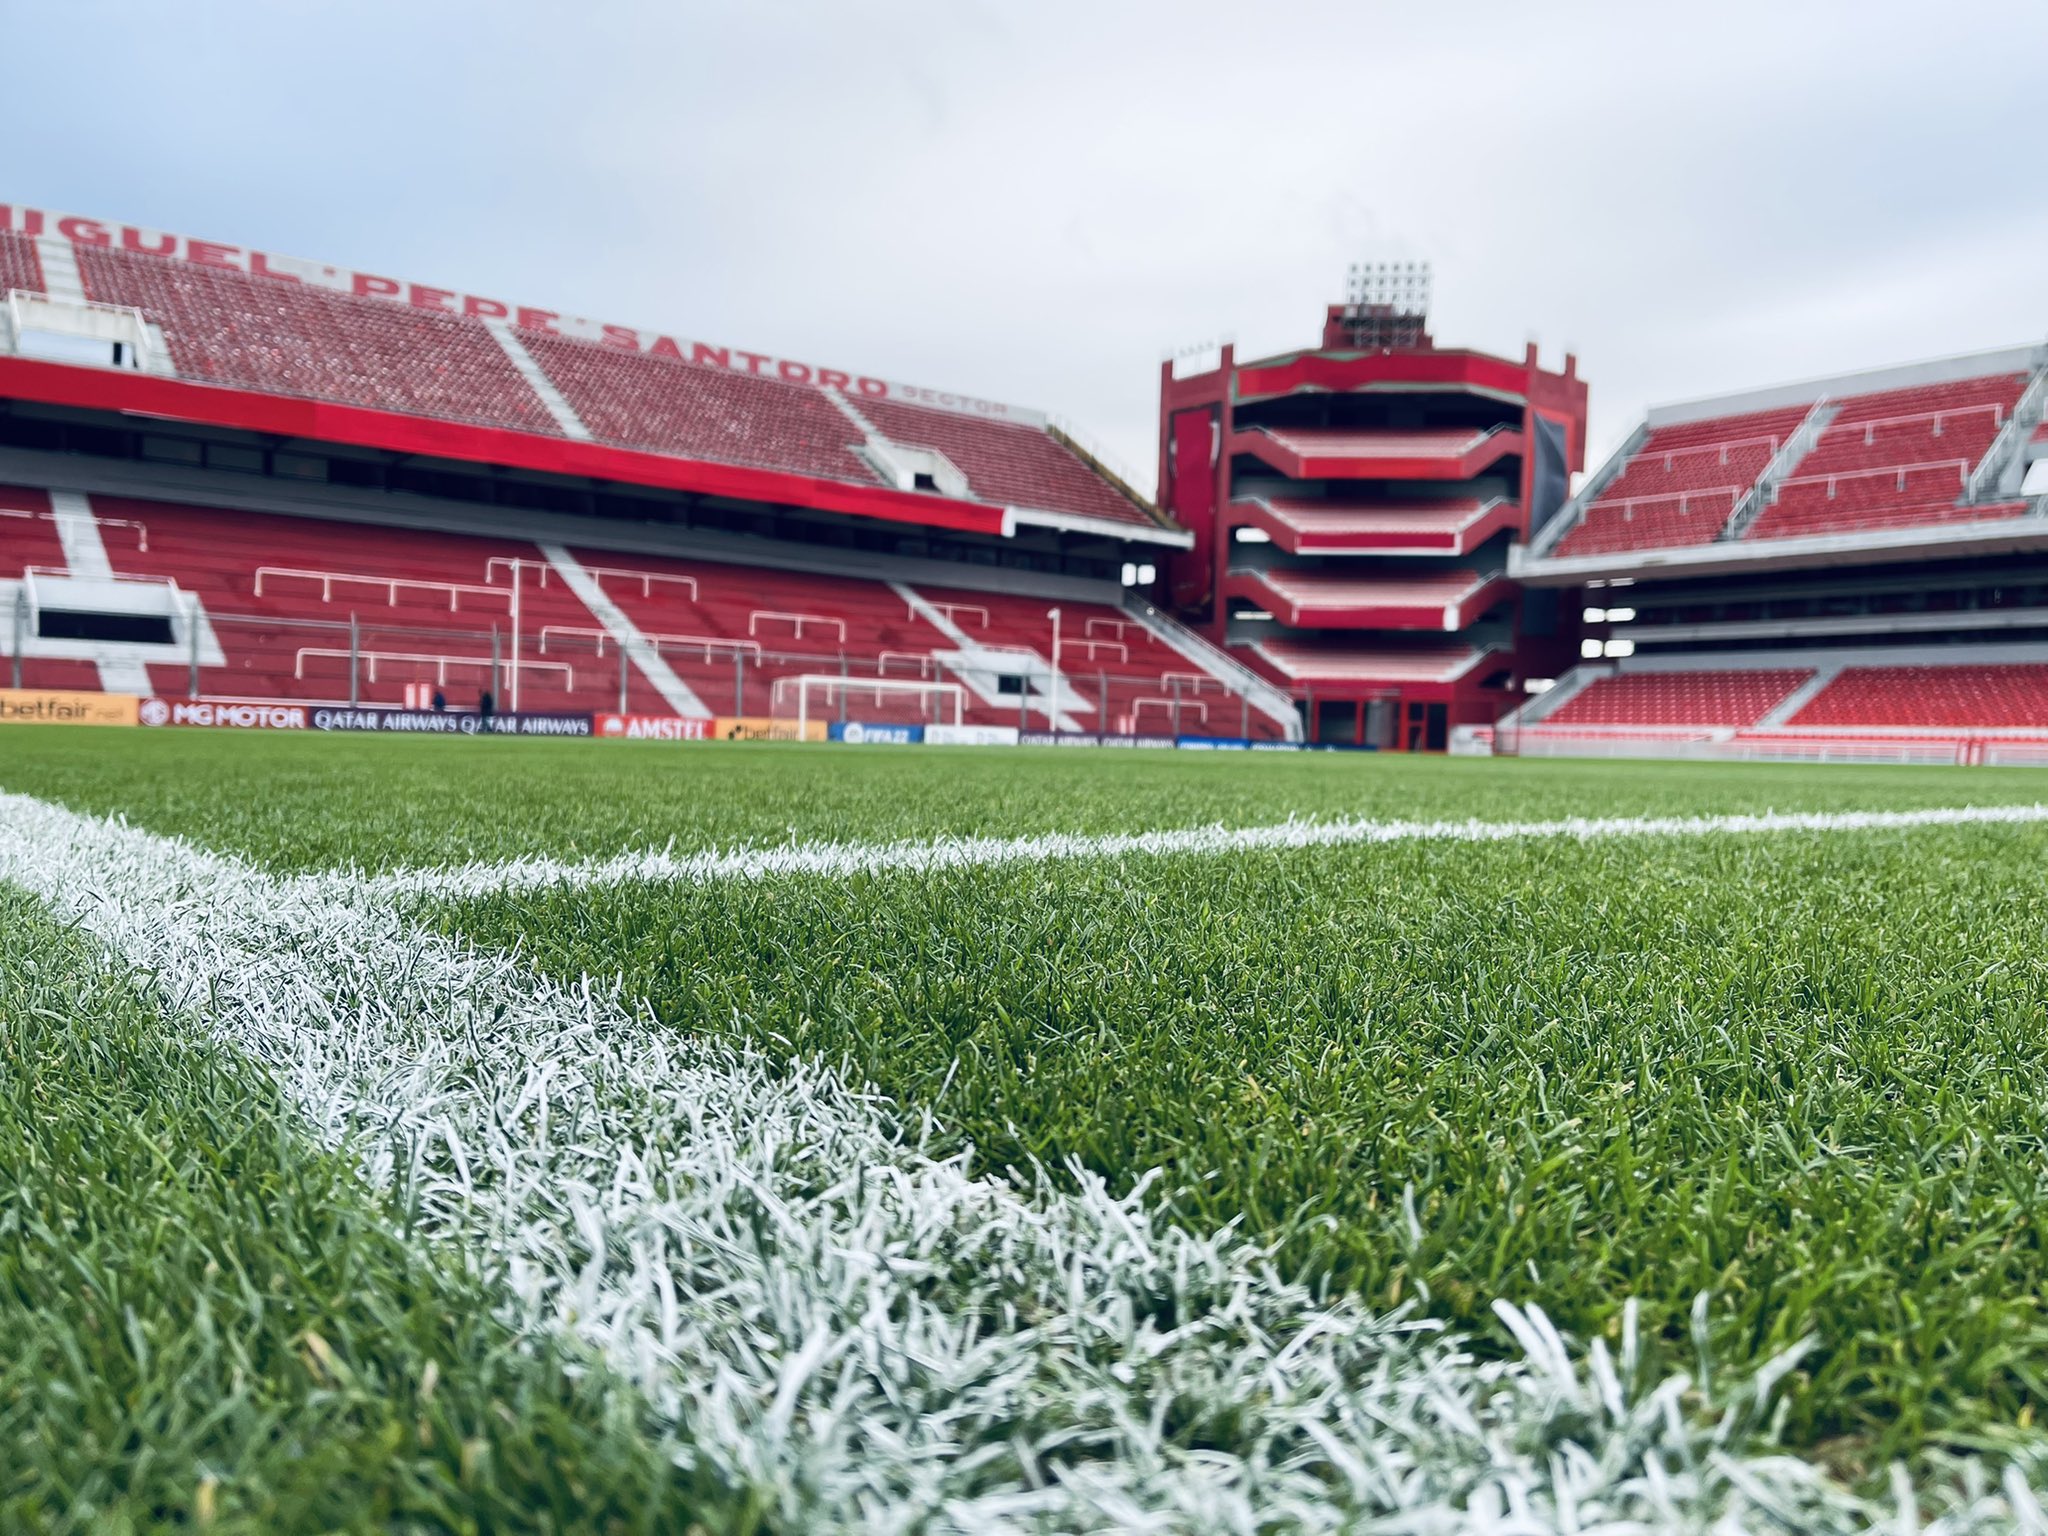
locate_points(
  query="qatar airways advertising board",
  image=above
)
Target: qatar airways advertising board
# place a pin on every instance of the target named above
(138, 240)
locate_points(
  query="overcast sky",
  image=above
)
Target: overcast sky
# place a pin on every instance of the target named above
(1037, 201)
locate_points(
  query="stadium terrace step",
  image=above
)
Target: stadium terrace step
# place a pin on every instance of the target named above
(1433, 600)
(637, 400)
(1681, 484)
(299, 339)
(20, 266)
(1704, 698)
(1336, 453)
(1882, 459)
(1452, 527)
(1310, 663)
(1009, 463)
(1982, 696)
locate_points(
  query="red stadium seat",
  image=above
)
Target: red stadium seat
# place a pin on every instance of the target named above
(1691, 698)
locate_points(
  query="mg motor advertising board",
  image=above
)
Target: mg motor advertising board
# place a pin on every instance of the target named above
(223, 714)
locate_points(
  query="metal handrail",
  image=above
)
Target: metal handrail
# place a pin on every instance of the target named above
(391, 584)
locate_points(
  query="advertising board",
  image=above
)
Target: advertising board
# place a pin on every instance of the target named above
(656, 727)
(755, 728)
(39, 706)
(220, 714)
(448, 723)
(875, 733)
(970, 735)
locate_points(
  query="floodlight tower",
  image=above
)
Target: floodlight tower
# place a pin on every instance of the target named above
(1353, 504)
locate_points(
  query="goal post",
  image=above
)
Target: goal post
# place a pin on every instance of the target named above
(827, 697)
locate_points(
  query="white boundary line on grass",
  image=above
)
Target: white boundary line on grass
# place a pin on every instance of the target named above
(869, 1337)
(840, 860)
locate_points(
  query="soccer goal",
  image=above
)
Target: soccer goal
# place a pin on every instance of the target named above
(826, 697)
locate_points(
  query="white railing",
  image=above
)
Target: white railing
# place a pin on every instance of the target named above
(2026, 413)
(65, 573)
(710, 645)
(647, 579)
(1573, 512)
(115, 324)
(950, 611)
(1269, 698)
(1553, 741)
(1869, 427)
(438, 661)
(1628, 504)
(1092, 647)
(390, 585)
(1750, 505)
(513, 564)
(1720, 448)
(139, 529)
(924, 665)
(1898, 472)
(798, 620)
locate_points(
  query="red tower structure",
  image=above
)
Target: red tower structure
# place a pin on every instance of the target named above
(1353, 506)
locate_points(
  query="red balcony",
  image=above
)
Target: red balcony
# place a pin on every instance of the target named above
(1346, 453)
(1432, 600)
(1453, 527)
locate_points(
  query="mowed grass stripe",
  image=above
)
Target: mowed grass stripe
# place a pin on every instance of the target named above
(1803, 1073)
(309, 801)
(856, 1334)
(211, 1323)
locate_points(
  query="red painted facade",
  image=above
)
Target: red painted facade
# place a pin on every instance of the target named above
(1364, 482)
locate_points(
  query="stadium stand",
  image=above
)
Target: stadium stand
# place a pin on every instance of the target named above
(298, 339)
(1704, 698)
(1682, 484)
(1005, 462)
(1893, 458)
(1871, 584)
(640, 401)
(20, 266)
(309, 610)
(1951, 704)
(456, 524)
(1958, 696)
(1877, 459)
(29, 539)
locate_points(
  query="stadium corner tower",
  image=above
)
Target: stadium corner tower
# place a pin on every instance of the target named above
(1353, 506)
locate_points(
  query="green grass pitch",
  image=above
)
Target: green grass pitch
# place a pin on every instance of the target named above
(1747, 1089)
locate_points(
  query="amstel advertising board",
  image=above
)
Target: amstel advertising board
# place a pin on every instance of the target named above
(656, 727)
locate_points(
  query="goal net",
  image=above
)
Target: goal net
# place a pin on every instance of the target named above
(827, 697)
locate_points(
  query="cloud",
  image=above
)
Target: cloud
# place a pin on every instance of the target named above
(1038, 202)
